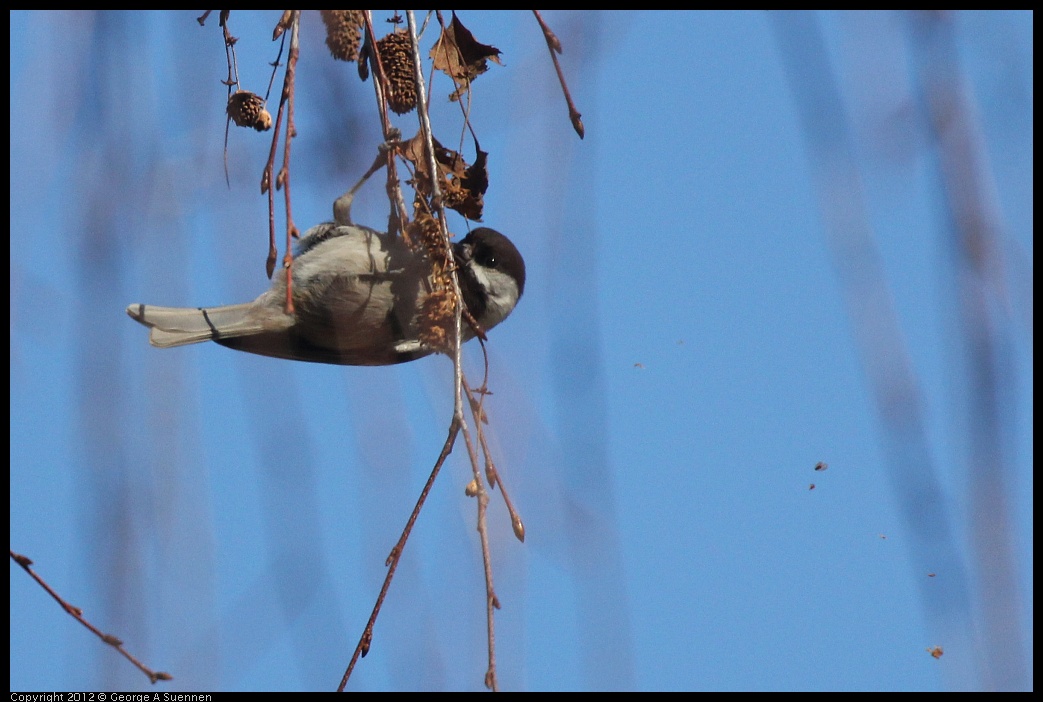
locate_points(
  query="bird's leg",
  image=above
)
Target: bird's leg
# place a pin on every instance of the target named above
(342, 205)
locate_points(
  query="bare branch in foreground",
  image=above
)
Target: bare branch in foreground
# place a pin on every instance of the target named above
(77, 614)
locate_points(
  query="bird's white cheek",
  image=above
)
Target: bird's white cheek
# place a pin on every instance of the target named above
(502, 293)
(504, 298)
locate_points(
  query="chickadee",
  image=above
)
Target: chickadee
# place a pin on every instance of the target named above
(357, 294)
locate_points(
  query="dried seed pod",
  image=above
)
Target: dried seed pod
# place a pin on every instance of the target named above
(343, 32)
(438, 315)
(425, 230)
(438, 319)
(453, 195)
(397, 60)
(246, 109)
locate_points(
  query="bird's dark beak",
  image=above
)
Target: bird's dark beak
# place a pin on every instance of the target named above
(462, 253)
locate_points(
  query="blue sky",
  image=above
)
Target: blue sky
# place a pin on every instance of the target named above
(688, 348)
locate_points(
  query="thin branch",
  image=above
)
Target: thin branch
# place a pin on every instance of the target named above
(394, 187)
(395, 556)
(436, 203)
(233, 73)
(278, 58)
(434, 206)
(458, 374)
(492, 603)
(267, 177)
(491, 474)
(362, 648)
(554, 47)
(233, 63)
(77, 614)
(283, 179)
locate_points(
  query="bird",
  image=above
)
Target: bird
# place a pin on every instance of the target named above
(357, 298)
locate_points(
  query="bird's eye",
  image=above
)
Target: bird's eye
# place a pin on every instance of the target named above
(487, 259)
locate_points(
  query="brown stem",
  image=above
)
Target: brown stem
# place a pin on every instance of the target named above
(554, 47)
(77, 614)
(362, 648)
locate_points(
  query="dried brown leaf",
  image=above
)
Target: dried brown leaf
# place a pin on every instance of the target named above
(463, 185)
(462, 57)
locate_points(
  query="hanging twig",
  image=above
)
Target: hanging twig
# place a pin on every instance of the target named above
(282, 180)
(362, 648)
(458, 374)
(554, 47)
(398, 213)
(491, 474)
(233, 72)
(77, 614)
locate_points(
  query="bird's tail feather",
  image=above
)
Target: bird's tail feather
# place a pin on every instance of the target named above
(177, 326)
